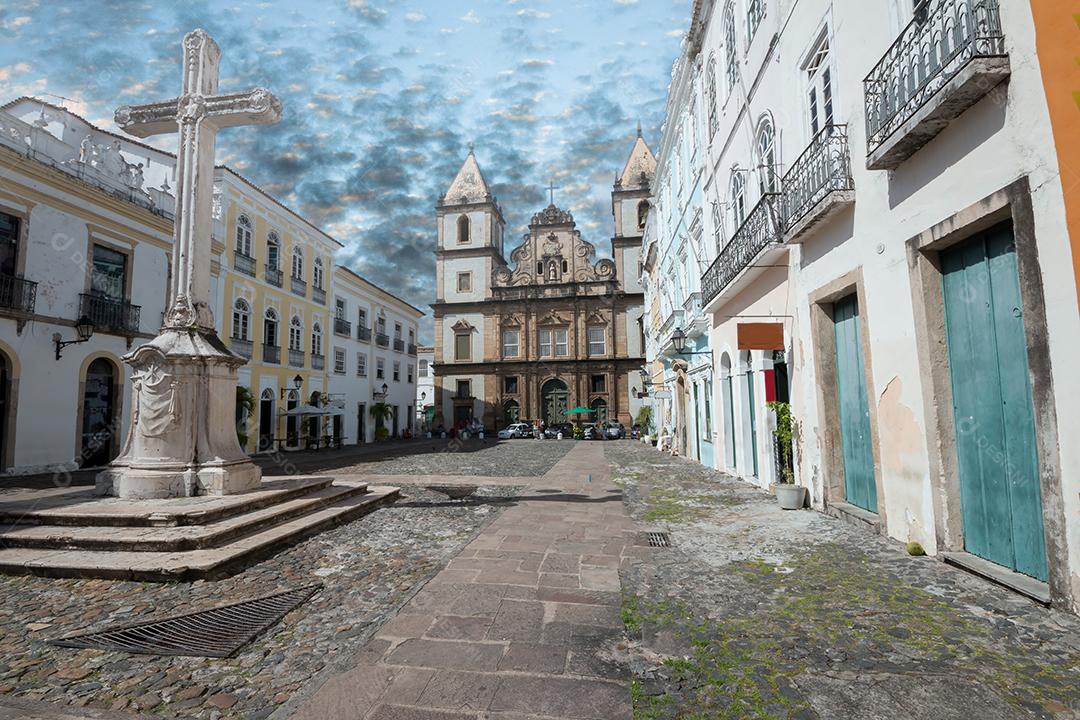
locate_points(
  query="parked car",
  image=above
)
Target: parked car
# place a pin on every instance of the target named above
(616, 431)
(516, 430)
(551, 432)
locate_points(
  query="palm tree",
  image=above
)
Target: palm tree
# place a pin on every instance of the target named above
(245, 406)
(382, 412)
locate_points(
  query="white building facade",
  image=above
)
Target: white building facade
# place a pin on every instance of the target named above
(888, 250)
(86, 232)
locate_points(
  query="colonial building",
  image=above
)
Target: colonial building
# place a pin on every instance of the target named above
(886, 229)
(554, 328)
(86, 232)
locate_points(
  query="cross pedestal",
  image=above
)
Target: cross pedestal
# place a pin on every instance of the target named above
(182, 439)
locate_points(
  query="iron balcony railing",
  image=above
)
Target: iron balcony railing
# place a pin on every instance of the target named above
(271, 354)
(412, 348)
(298, 286)
(823, 168)
(241, 346)
(244, 264)
(940, 41)
(363, 333)
(399, 345)
(318, 295)
(382, 339)
(17, 295)
(761, 229)
(342, 327)
(274, 276)
(109, 314)
(296, 358)
(318, 362)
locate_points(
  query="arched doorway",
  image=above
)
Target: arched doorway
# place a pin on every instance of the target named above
(314, 423)
(554, 401)
(728, 401)
(98, 414)
(599, 408)
(266, 420)
(511, 412)
(5, 407)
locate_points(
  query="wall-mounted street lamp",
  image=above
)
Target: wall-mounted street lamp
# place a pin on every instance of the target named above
(84, 330)
(298, 382)
(678, 341)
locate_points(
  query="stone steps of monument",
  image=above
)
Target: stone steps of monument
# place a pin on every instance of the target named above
(176, 538)
(192, 564)
(77, 506)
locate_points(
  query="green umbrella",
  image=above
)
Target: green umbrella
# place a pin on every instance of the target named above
(579, 411)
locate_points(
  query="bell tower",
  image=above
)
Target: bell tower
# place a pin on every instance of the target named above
(471, 231)
(630, 205)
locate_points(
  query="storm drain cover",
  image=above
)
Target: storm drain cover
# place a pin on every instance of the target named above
(218, 632)
(659, 539)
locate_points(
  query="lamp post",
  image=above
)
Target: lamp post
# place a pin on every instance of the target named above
(84, 330)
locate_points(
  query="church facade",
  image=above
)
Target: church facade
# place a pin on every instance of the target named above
(554, 328)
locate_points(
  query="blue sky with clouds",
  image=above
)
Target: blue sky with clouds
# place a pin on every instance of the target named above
(381, 99)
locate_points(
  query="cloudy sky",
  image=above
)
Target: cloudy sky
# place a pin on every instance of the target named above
(381, 98)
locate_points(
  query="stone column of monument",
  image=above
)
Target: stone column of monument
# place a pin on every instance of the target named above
(182, 440)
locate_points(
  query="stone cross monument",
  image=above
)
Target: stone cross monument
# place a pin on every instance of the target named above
(182, 439)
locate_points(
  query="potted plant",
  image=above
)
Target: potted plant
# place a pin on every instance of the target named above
(381, 412)
(788, 494)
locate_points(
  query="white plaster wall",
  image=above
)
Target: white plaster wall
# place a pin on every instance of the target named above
(475, 265)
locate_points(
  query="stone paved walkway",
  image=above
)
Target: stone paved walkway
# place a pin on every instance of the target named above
(524, 624)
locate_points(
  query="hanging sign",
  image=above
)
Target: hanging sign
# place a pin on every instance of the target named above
(761, 336)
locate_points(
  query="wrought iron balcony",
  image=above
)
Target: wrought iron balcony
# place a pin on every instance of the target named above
(761, 229)
(244, 264)
(110, 315)
(412, 348)
(318, 295)
(241, 346)
(818, 182)
(399, 345)
(274, 276)
(271, 354)
(296, 358)
(948, 58)
(342, 327)
(298, 286)
(382, 339)
(17, 296)
(363, 333)
(318, 362)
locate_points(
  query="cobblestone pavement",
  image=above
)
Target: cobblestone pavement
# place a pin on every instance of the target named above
(367, 569)
(760, 613)
(490, 458)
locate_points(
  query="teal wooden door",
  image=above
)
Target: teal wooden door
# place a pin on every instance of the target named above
(859, 486)
(1000, 498)
(729, 421)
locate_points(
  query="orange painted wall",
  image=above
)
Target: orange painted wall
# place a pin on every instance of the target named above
(1057, 38)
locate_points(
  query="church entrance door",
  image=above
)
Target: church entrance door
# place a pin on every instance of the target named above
(554, 401)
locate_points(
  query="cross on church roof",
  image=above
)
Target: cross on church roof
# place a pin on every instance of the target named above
(552, 187)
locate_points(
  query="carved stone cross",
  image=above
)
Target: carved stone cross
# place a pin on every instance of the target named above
(196, 115)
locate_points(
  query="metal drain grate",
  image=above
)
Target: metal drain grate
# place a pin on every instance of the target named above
(218, 632)
(659, 539)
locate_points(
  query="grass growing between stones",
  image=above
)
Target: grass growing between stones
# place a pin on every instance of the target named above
(834, 610)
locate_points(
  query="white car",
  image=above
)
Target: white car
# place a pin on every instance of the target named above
(517, 430)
